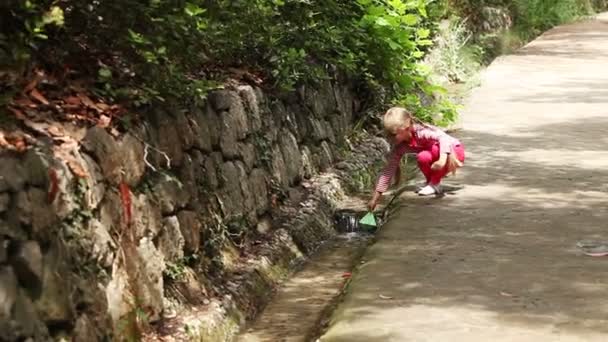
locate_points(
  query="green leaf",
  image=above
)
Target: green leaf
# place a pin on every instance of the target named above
(410, 19)
(423, 33)
(54, 16)
(423, 68)
(394, 46)
(105, 73)
(425, 42)
(136, 37)
(382, 22)
(193, 10)
(398, 5)
(376, 11)
(422, 8)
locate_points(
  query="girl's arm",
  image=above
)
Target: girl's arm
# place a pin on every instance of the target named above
(392, 166)
(387, 174)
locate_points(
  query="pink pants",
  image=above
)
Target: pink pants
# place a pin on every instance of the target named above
(426, 158)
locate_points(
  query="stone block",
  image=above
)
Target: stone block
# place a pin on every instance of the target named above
(171, 242)
(291, 157)
(190, 227)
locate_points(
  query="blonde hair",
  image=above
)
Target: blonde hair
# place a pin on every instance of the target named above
(397, 117)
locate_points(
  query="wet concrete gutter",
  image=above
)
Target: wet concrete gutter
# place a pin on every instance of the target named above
(298, 308)
(301, 307)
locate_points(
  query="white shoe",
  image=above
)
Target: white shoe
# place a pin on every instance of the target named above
(420, 186)
(430, 190)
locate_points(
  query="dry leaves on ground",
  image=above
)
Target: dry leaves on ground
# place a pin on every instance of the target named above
(61, 114)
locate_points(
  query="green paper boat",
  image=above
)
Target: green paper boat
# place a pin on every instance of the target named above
(368, 220)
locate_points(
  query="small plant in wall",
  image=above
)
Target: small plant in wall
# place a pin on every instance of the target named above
(131, 327)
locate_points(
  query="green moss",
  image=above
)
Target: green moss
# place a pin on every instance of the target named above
(223, 332)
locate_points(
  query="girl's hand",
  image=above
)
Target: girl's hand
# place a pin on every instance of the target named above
(440, 163)
(374, 201)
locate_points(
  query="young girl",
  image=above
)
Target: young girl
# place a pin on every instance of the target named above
(437, 152)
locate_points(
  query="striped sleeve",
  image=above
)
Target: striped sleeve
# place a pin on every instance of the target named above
(388, 172)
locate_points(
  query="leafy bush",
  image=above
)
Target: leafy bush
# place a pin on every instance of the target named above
(531, 16)
(536, 16)
(146, 50)
(452, 56)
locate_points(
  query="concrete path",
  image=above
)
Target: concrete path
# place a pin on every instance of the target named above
(498, 260)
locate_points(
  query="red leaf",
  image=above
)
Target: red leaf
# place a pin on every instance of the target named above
(104, 121)
(73, 100)
(65, 153)
(77, 169)
(55, 131)
(15, 143)
(88, 102)
(39, 76)
(54, 186)
(103, 106)
(125, 196)
(18, 114)
(31, 85)
(24, 102)
(39, 97)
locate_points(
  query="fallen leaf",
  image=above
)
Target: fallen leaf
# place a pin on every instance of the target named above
(104, 121)
(28, 138)
(77, 169)
(104, 107)
(55, 131)
(17, 141)
(53, 186)
(88, 102)
(39, 97)
(40, 127)
(18, 114)
(25, 102)
(385, 297)
(65, 151)
(63, 139)
(72, 100)
(30, 86)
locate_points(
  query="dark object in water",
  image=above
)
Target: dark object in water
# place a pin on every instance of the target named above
(347, 221)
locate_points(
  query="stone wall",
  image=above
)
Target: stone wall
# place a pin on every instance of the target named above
(165, 214)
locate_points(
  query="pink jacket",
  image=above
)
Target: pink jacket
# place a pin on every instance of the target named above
(423, 138)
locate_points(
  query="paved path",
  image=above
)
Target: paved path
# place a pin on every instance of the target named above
(498, 261)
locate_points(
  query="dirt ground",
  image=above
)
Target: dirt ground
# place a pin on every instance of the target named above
(498, 260)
